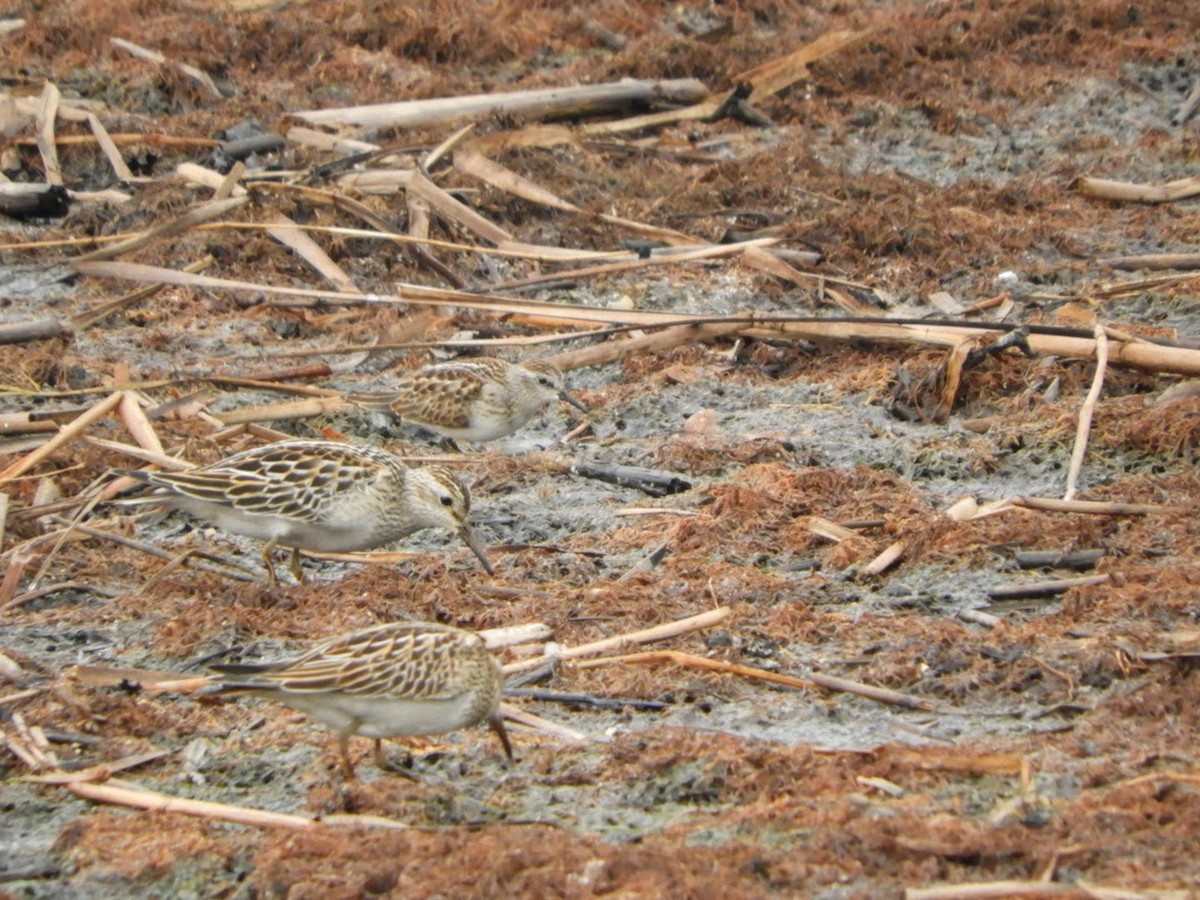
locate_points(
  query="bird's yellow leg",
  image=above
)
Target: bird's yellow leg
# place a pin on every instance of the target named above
(344, 749)
(294, 566)
(266, 555)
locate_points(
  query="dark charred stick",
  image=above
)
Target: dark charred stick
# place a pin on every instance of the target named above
(647, 563)
(727, 108)
(654, 482)
(1043, 588)
(30, 201)
(246, 147)
(1018, 338)
(1058, 559)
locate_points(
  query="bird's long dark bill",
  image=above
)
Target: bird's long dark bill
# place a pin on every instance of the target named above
(471, 541)
(497, 725)
(567, 398)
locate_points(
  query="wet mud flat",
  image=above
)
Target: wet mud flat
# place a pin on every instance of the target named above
(1044, 735)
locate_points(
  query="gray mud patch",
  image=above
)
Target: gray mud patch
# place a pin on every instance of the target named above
(936, 156)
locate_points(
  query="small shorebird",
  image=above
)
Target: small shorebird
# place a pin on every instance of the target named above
(472, 400)
(401, 679)
(318, 495)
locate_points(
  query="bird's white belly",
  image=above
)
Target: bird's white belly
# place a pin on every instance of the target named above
(489, 425)
(265, 528)
(379, 717)
(341, 534)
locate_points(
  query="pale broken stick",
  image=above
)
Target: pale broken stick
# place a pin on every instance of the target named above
(1044, 588)
(1188, 106)
(109, 148)
(815, 679)
(1035, 890)
(101, 772)
(470, 162)
(188, 220)
(419, 220)
(645, 636)
(199, 76)
(1086, 412)
(285, 411)
(543, 725)
(1153, 261)
(65, 435)
(29, 746)
(1097, 507)
(963, 510)
(430, 159)
(12, 577)
(46, 114)
(333, 143)
(455, 210)
(407, 294)
(122, 793)
(530, 104)
(98, 313)
(134, 419)
(658, 341)
(152, 550)
(282, 229)
(952, 377)
(665, 257)
(33, 330)
(1104, 189)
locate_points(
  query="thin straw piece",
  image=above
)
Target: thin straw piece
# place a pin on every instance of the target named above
(109, 148)
(190, 219)
(1086, 412)
(645, 636)
(830, 682)
(121, 793)
(65, 434)
(46, 114)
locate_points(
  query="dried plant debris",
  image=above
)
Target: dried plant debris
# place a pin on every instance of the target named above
(867, 567)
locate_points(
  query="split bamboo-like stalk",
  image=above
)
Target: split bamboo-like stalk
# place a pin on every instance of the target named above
(65, 434)
(816, 679)
(1136, 354)
(193, 217)
(120, 793)
(998, 890)
(33, 330)
(1104, 189)
(1086, 412)
(46, 114)
(199, 76)
(542, 102)
(657, 633)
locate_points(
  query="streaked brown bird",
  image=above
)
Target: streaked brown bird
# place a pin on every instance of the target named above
(400, 679)
(326, 496)
(472, 400)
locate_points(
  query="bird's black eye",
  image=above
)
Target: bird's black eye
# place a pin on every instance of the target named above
(447, 501)
(545, 382)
